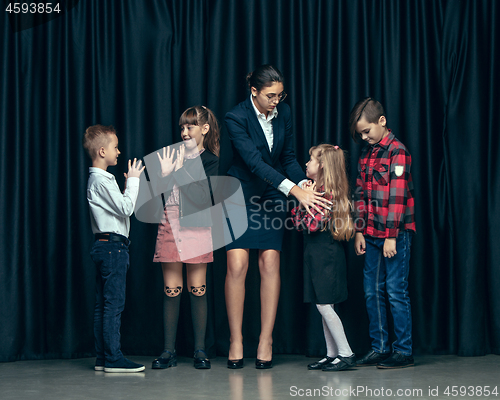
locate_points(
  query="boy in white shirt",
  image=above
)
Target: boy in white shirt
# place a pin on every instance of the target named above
(110, 210)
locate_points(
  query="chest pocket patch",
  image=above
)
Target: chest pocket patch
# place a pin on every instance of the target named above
(381, 174)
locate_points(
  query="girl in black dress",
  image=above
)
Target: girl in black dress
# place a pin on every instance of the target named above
(325, 281)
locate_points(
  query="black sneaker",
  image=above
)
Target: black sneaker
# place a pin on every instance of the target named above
(123, 365)
(397, 360)
(99, 364)
(372, 358)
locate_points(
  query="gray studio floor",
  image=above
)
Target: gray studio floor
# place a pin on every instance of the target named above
(464, 377)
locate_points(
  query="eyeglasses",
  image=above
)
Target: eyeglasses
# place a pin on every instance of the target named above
(272, 97)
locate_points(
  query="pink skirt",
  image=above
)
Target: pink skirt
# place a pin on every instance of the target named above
(182, 244)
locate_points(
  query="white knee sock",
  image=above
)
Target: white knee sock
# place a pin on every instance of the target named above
(333, 324)
(331, 347)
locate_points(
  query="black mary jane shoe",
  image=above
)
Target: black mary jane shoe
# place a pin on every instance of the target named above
(261, 364)
(165, 362)
(319, 364)
(235, 364)
(342, 365)
(201, 362)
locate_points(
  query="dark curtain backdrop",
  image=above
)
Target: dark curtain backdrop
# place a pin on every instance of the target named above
(139, 64)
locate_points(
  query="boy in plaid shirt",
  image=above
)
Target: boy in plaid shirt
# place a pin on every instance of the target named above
(385, 223)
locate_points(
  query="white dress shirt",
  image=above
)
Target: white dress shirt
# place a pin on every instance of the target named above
(110, 209)
(267, 126)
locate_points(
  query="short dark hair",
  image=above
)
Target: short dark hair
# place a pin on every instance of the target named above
(264, 76)
(370, 109)
(97, 136)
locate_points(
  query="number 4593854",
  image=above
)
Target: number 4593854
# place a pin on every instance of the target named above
(33, 8)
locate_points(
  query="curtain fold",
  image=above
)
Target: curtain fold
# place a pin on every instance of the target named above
(138, 65)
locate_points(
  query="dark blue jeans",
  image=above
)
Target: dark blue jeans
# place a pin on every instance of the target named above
(112, 261)
(388, 275)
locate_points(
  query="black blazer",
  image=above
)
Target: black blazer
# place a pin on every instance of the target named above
(195, 194)
(253, 164)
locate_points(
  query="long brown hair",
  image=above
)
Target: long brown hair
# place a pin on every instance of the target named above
(333, 176)
(201, 115)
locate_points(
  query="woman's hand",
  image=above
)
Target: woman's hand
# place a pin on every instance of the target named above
(310, 199)
(167, 162)
(308, 186)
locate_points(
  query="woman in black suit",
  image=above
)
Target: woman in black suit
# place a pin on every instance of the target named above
(265, 164)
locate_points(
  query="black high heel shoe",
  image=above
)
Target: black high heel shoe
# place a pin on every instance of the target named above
(201, 362)
(235, 364)
(165, 362)
(261, 364)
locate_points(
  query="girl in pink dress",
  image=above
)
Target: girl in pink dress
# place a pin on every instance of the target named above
(183, 240)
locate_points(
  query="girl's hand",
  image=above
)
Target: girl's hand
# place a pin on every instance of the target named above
(309, 185)
(167, 162)
(310, 200)
(359, 244)
(180, 158)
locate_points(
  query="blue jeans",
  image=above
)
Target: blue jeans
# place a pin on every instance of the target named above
(388, 275)
(112, 261)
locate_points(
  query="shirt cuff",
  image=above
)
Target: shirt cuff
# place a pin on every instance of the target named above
(301, 182)
(285, 186)
(133, 182)
(391, 233)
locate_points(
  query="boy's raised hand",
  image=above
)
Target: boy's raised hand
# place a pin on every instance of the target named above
(134, 169)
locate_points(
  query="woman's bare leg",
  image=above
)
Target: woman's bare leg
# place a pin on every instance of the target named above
(270, 282)
(237, 267)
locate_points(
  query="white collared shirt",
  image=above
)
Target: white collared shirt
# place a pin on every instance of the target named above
(110, 209)
(267, 126)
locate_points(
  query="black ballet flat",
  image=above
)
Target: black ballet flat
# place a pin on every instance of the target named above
(261, 364)
(165, 362)
(235, 364)
(201, 362)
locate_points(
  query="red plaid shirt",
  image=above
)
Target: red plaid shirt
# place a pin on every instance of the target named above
(302, 220)
(383, 200)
